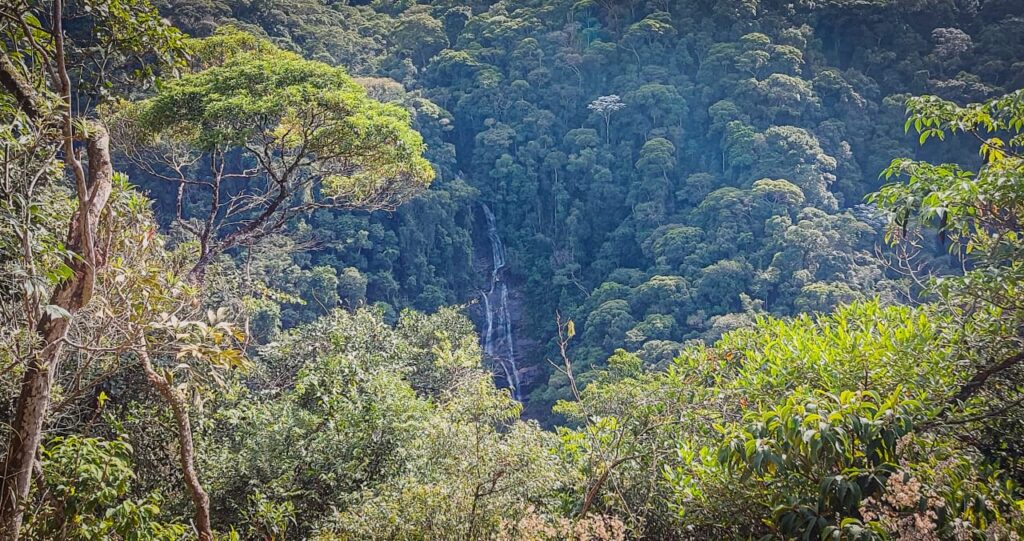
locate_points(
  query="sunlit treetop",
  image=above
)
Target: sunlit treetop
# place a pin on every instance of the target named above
(291, 115)
(982, 208)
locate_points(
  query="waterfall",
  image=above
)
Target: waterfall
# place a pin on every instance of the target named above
(489, 330)
(498, 320)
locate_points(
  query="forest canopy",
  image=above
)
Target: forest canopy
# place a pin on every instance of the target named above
(538, 270)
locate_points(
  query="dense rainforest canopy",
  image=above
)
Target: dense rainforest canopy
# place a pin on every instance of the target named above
(531, 270)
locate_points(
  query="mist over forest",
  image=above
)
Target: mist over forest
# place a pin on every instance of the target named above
(517, 270)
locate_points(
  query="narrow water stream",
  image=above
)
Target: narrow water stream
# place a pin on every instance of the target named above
(499, 343)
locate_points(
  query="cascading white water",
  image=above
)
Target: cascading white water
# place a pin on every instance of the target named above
(489, 330)
(497, 312)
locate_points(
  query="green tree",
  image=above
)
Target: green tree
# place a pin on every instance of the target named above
(278, 137)
(92, 480)
(420, 36)
(41, 121)
(977, 211)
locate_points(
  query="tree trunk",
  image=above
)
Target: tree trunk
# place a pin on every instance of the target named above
(23, 92)
(973, 385)
(33, 402)
(186, 454)
(197, 274)
(70, 295)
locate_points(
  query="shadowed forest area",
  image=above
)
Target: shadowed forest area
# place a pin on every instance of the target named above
(520, 270)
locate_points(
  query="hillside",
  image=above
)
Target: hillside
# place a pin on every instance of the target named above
(530, 270)
(659, 172)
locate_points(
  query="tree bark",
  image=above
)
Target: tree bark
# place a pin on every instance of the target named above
(974, 384)
(592, 492)
(186, 451)
(24, 94)
(70, 295)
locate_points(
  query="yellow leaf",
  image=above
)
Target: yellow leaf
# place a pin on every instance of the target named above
(992, 149)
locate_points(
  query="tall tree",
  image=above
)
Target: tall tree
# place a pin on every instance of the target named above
(35, 71)
(256, 136)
